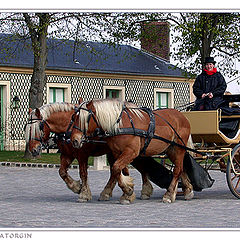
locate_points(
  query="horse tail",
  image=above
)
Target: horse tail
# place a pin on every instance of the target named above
(190, 144)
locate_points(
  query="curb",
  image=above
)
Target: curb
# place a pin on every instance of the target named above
(34, 165)
(43, 165)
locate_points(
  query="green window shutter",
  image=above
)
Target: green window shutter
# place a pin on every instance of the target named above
(56, 95)
(162, 100)
(112, 93)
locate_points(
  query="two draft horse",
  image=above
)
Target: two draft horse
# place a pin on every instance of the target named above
(57, 118)
(121, 127)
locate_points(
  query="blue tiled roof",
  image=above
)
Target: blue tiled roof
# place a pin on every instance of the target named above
(89, 56)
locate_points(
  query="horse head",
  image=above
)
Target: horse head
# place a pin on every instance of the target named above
(97, 117)
(54, 117)
(85, 124)
(37, 132)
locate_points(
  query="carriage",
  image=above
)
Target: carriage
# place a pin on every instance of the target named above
(217, 134)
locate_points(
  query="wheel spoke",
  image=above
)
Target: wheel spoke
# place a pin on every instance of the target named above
(233, 177)
(237, 184)
(233, 170)
(236, 162)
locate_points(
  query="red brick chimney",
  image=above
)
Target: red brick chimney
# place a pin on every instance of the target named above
(155, 39)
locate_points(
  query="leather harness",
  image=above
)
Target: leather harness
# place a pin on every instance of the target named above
(148, 135)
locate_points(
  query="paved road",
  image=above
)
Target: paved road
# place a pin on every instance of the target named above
(39, 198)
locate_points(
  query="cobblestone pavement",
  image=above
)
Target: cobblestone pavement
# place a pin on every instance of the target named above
(38, 198)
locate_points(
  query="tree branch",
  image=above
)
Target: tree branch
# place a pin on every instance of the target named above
(225, 52)
(31, 27)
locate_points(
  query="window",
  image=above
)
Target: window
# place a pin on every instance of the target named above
(58, 92)
(56, 95)
(114, 92)
(163, 98)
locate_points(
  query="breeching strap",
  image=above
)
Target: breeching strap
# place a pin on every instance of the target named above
(149, 134)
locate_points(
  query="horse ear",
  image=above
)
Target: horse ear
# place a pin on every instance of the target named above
(38, 114)
(90, 106)
(29, 111)
(80, 100)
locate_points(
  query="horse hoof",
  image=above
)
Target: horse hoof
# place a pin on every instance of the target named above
(166, 200)
(125, 199)
(82, 200)
(104, 197)
(145, 197)
(76, 186)
(189, 196)
(132, 197)
(84, 197)
(124, 202)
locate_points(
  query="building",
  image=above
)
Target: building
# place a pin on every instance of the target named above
(90, 70)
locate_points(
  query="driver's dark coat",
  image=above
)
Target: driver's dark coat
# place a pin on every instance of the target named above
(209, 83)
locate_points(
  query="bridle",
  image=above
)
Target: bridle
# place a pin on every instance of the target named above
(97, 132)
(41, 127)
(90, 115)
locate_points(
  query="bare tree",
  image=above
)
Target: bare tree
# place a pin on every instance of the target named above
(199, 35)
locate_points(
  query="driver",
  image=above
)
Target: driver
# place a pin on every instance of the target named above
(209, 87)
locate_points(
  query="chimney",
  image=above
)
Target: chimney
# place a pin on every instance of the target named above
(155, 39)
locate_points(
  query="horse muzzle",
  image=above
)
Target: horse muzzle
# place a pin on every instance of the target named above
(79, 143)
(36, 151)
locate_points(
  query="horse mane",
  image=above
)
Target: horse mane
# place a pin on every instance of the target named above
(46, 111)
(108, 112)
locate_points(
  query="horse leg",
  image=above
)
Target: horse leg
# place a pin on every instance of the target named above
(85, 193)
(124, 182)
(73, 185)
(147, 189)
(176, 155)
(187, 186)
(108, 189)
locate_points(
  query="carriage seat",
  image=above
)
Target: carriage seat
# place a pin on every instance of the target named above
(214, 127)
(229, 127)
(229, 124)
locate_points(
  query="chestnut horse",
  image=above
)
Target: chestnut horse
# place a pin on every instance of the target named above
(111, 117)
(56, 118)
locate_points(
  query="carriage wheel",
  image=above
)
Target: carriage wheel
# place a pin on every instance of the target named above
(233, 178)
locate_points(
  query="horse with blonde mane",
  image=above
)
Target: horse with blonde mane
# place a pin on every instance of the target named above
(57, 118)
(131, 132)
